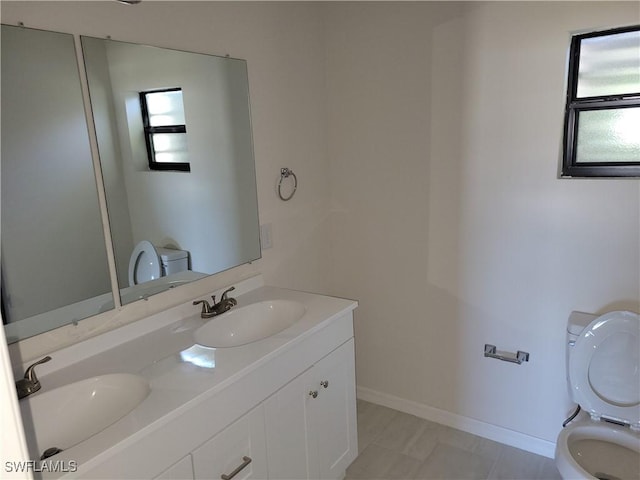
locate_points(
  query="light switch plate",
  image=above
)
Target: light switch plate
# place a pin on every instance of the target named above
(265, 236)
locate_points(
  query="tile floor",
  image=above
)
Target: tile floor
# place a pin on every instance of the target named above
(395, 445)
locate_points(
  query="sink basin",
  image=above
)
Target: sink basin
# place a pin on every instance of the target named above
(68, 415)
(248, 324)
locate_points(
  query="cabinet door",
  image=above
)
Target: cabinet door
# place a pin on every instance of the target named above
(311, 421)
(288, 433)
(238, 452)
(181, 470)
(333, 412)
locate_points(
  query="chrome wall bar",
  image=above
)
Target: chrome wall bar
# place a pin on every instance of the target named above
(518, 357)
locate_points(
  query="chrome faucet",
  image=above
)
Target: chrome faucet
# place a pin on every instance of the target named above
(222, 306)
(30, 383)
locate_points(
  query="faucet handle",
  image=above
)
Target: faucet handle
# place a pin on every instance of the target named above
(206, 308)
(30, 373)
(30, 383)
(230, 301)
(224, 294)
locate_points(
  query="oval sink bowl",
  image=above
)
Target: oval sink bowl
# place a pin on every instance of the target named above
(249, 324)
(65, 416)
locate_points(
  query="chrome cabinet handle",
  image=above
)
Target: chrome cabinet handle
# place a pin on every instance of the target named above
(245, 461)
(314, 393)
(324, 383)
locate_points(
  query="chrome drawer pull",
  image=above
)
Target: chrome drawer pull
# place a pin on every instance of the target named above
(324, 383)
(245, 461)
(314, 393)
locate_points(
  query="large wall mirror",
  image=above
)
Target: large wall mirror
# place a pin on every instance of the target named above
(169, 225)
(176, 109)
(54, 262)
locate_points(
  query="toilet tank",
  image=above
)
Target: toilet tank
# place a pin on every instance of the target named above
(173, 261)
(578, 321)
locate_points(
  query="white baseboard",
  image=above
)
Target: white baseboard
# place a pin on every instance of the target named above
(466, 424)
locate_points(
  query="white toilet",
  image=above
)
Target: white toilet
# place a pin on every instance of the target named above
(150, 263)
(603, 372)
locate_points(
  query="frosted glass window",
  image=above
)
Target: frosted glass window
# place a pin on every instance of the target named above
(165, 108)
(609, 65)
(609, 135)
(602, 115)
(165, 131)
(170, 147)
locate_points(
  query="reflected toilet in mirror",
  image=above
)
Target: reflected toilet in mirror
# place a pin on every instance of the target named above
(173, 261)
(149, 263)
(144, 264)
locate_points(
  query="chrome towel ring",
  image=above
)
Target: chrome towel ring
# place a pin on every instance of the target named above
(286, 173)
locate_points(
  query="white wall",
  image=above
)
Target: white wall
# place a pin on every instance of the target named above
(450, 225)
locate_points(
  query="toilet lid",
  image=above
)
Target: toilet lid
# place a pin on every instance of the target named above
(144, 264)
(604, 367)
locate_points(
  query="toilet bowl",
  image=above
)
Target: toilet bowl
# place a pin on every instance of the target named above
(603, 367)
(590, 450)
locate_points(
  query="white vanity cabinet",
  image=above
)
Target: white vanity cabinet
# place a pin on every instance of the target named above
(238, 452)
(307, 429)
(181, 470)
(311, 422)
(279, 408)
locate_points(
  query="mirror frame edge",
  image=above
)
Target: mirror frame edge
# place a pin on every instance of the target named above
(97, 170)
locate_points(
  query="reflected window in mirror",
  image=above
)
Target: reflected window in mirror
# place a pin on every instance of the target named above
(165, 130)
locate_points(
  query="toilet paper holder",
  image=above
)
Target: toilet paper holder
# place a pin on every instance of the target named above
(518, 357)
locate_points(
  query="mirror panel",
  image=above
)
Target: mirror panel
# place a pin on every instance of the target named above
(54, 263)
(208, 210)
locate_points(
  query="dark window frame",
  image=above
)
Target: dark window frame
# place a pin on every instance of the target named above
(574, 105)
(149, 131)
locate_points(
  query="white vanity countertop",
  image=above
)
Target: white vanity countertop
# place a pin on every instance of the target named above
(178, 385)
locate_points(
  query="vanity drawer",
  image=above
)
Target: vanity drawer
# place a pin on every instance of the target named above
(238, 452)
(181, 470)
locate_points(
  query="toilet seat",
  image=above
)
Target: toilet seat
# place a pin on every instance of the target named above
(604, 368)
(144, 264)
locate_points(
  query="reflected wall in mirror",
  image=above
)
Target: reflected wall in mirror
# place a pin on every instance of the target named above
(200, 221)
(54, 263)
